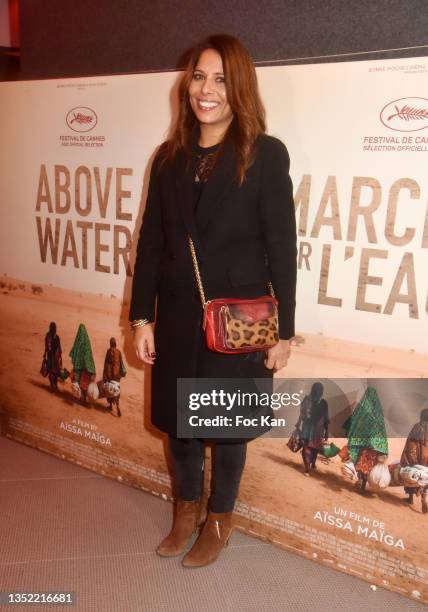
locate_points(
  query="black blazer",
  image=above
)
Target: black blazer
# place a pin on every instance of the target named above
(244, 235)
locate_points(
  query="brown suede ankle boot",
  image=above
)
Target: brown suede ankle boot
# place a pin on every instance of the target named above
(203, 508)
(186, 515)
(213, 538)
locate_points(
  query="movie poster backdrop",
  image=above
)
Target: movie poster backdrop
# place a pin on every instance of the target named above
(75, 160)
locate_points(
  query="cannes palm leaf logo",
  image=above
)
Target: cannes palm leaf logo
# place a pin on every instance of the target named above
(81, 119)
(405, 114)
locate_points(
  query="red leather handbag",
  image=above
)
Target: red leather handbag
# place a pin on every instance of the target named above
(236, 325)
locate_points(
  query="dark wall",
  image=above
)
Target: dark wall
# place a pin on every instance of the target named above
(93, 37)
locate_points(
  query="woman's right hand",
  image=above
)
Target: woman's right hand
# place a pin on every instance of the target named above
(144, 343)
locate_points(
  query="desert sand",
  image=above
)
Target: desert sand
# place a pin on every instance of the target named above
(273, 486)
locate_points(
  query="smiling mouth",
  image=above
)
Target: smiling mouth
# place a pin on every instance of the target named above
(207, 106)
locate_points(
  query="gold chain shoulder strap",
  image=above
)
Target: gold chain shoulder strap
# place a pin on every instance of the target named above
(199, 279)
(197, 273)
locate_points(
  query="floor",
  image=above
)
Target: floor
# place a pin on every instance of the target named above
(65, 528)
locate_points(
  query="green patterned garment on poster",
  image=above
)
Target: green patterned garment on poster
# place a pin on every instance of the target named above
(81, 353)
(365, 428)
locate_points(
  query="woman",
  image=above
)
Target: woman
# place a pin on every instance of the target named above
(53, 356)
(415, 452)
(222, 181)
(83, 362)
(313, 424)
(114, 370)
(367, 440)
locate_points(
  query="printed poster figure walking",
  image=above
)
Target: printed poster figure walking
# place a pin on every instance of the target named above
(367, 440)
(83, 363)
(52, 358)
(313, 426)
(415, 453)
(114, 370)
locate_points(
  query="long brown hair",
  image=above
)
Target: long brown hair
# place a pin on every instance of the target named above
(242, 94)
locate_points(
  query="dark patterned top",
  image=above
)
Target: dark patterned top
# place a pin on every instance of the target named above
(204, 161)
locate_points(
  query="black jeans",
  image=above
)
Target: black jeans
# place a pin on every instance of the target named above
(228, 463)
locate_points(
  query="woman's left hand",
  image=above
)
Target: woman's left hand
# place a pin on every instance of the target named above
(277, 356)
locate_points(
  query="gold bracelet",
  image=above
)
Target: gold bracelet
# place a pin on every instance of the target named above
(139, 323)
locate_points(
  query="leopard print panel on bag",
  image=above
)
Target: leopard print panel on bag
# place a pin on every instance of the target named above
(241, 334)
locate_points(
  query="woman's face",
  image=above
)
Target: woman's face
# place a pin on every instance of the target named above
(207, 91)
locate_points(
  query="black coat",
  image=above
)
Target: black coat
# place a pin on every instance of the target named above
(244, 237)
